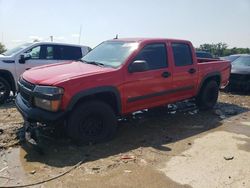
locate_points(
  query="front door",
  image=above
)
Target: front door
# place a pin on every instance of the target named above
(38, 56)
(148, 88)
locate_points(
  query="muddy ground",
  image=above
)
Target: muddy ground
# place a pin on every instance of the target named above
(163, 148)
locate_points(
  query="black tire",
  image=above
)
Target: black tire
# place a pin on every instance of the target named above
(208, 96)
(4, 90)
(92, 122)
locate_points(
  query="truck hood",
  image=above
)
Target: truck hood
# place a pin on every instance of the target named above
(6, 59)
(55, 73)
(2, 57)
(236, 69)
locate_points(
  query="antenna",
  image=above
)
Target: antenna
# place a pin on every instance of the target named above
(116, 37)
(80, 33)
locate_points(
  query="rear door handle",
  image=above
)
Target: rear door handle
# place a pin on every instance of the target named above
(192, 71)
(166, 74)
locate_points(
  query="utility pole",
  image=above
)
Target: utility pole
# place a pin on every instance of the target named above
(80, 33)
(51, 38)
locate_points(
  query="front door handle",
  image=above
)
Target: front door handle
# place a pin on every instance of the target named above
(166, 74)
(192, 71)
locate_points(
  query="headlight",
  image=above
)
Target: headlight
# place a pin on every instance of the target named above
(48, 90)
(48, 98)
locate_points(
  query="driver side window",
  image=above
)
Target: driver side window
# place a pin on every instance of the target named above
(155, 55)
(35, 52)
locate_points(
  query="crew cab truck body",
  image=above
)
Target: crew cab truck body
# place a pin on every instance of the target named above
(15, 61)
(116, 78)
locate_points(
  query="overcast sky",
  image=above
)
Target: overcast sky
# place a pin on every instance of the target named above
(201, 21)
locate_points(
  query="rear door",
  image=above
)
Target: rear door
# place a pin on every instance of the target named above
(64, 53)
(149, 88)
(184, 71)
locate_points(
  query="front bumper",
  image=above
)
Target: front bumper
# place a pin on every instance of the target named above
(33, 114)
(241, 84)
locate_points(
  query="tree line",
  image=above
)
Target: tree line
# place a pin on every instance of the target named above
(221, 49)
(218, 50)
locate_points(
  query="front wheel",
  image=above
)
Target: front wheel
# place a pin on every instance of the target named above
(4, 90)
(208, 96)
(92, 122)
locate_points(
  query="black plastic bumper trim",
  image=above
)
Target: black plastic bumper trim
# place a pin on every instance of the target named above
(33, 114)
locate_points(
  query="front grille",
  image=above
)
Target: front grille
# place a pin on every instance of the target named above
(26, 96)
(26, 84)
(25, 89)
(238, 77)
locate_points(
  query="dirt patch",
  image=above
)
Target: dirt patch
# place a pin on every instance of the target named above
(145, 143)
(10, 124)
(214, 161)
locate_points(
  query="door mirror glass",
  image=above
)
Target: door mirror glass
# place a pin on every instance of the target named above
(138, 66)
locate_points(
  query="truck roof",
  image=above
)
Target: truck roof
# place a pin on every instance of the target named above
(58, 43)
(146, 39)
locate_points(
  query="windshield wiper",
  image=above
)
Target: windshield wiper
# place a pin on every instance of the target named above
(81, 60)
(93, 63)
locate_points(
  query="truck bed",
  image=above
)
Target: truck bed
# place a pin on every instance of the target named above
(207, 66)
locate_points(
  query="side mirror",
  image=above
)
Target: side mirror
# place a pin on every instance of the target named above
(138, 66)
(24, 57)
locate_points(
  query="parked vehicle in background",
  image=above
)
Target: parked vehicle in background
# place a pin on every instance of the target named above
(240, 74)
(15, 61)
(203, 54)
(232, 58)
(116, 78)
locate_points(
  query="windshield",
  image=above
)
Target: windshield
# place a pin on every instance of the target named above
(110, 53)
(242, 61)
(232, 58)
(16, 49)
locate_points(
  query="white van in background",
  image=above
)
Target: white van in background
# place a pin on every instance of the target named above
(15, 61)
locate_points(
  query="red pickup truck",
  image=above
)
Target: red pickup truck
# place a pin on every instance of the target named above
(116, 78)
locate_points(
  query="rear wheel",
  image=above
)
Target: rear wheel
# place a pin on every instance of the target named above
(208, 95)
(92, 122)
(4, 90)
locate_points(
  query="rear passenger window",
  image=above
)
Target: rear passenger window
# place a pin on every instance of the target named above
(68, 52)
(182, 54)
(155, 55)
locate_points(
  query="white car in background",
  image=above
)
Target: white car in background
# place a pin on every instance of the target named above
(15, 61)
